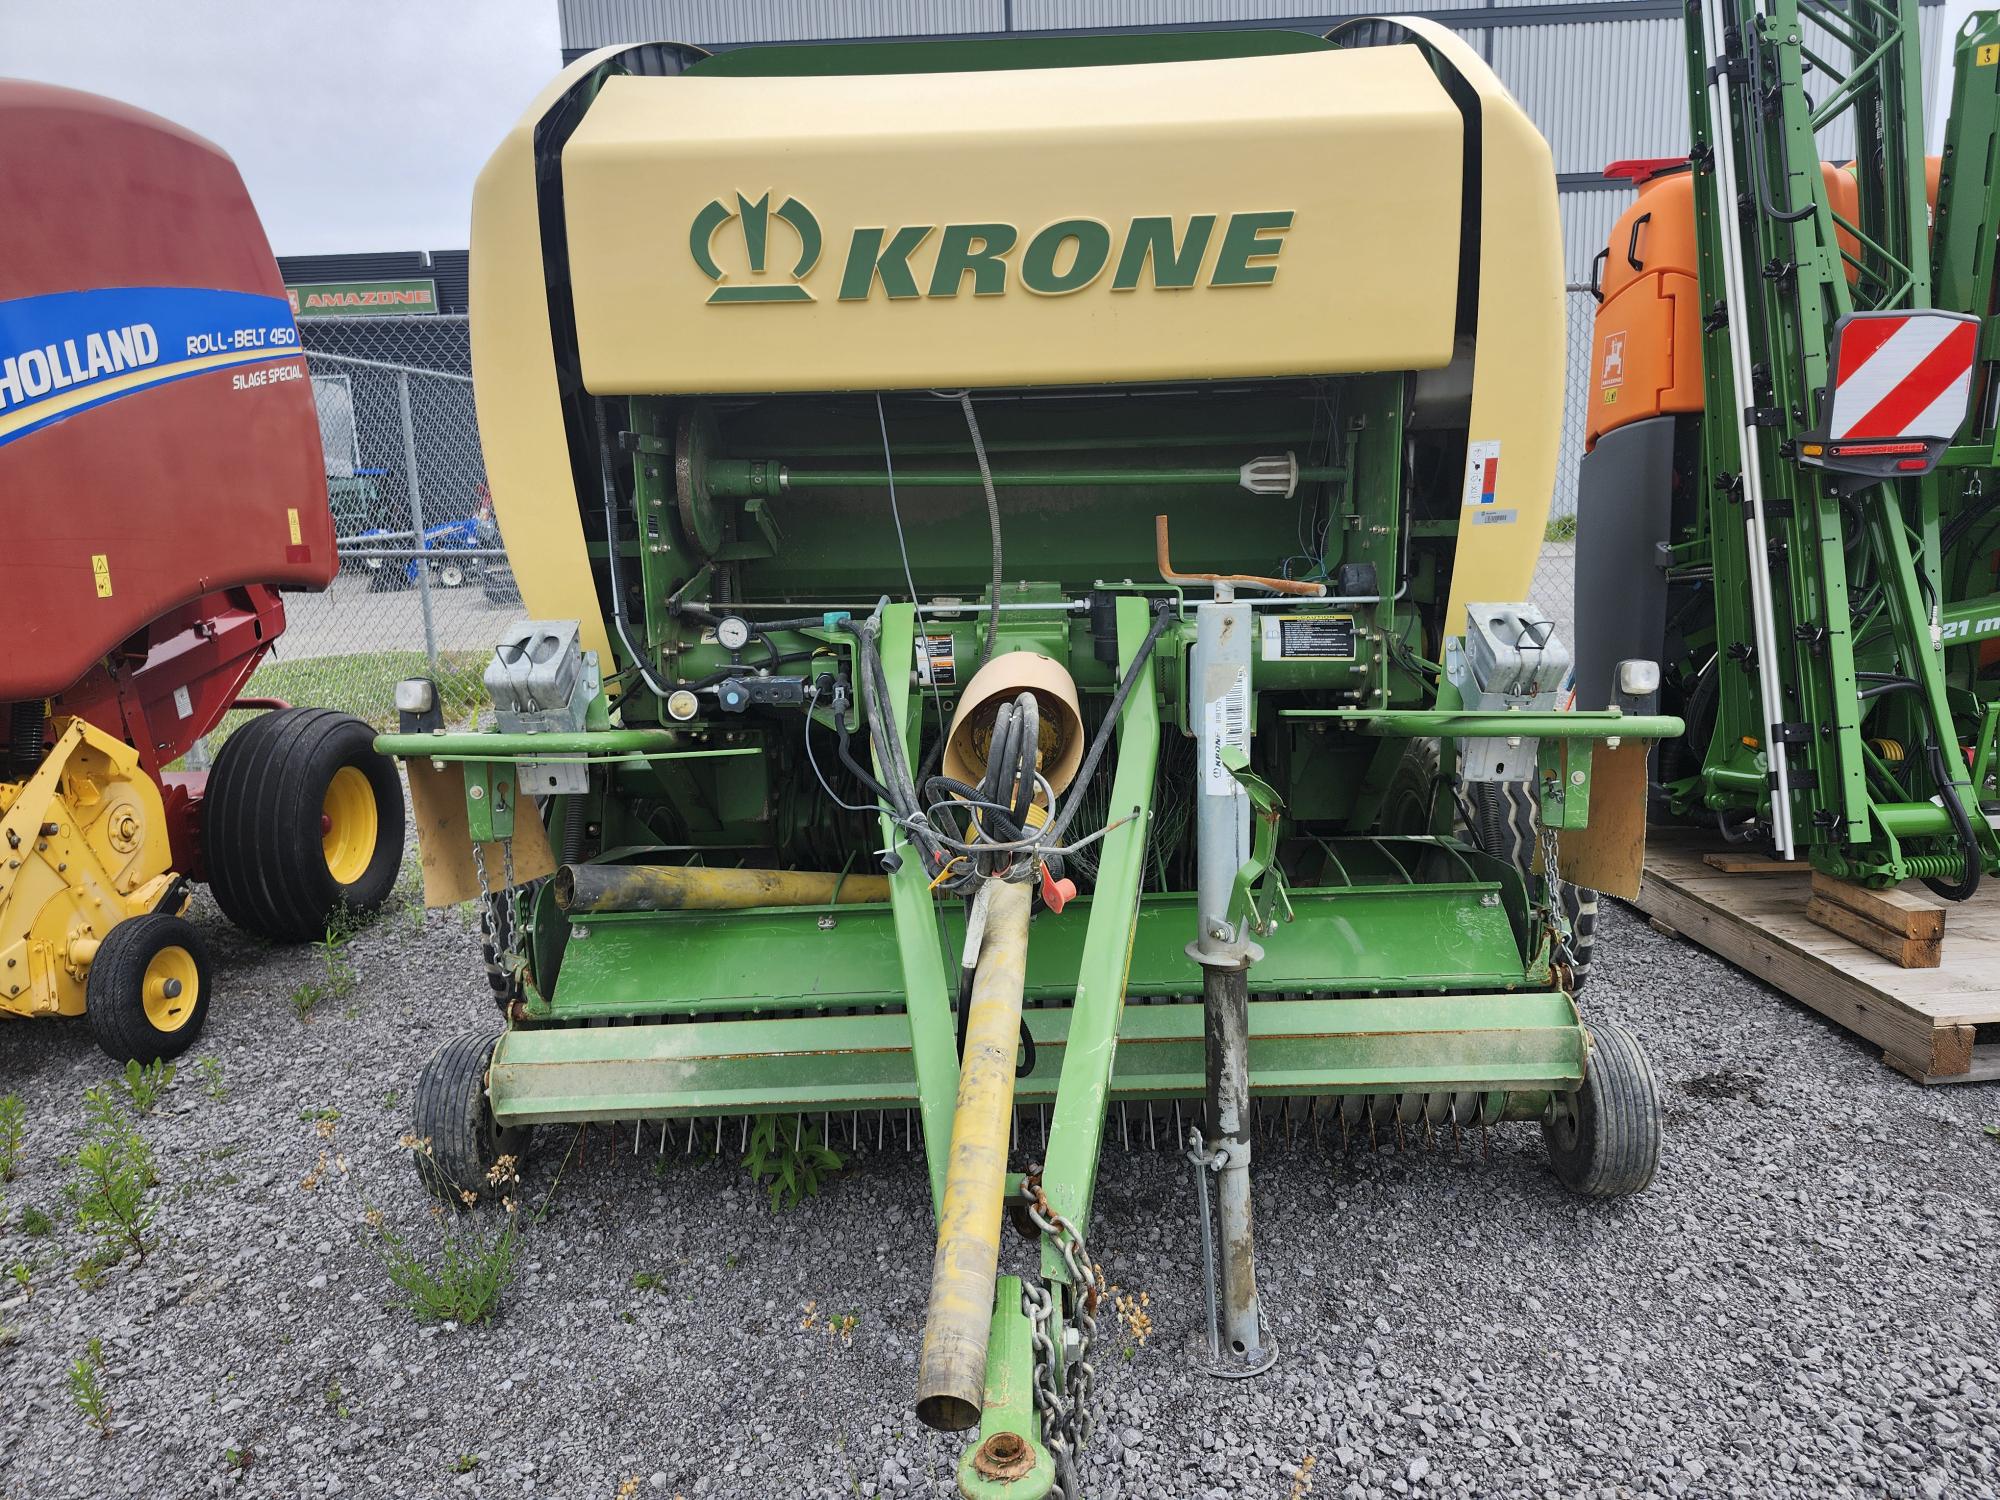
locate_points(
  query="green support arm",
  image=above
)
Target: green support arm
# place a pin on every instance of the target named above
(927, 993)
(1076, 1132)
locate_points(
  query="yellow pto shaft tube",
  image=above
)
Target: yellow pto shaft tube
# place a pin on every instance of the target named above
(602, 888)
(951, 1372)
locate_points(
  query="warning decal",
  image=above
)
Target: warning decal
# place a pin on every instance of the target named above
(935, 664)
(1308, 637)
(1483, 483)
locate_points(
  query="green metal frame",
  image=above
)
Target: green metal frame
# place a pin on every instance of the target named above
(1836, 543)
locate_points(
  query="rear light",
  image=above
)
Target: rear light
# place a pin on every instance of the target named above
(1874, 450)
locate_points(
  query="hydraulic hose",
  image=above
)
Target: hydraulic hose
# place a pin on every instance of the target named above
(1162, 617)
(992, 521)
(611, 559)
(1968, 882)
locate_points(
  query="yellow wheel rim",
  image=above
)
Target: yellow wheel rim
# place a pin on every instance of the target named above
(171, 989)
(348, 825)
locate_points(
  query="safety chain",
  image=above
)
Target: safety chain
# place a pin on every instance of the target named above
(506, 894)
(1064, 1409)
(1564, 961)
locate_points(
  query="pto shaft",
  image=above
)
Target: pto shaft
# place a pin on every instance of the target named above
(601, 888)
(951, 1372)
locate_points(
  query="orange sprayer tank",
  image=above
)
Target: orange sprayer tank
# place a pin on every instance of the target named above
(1646, 344)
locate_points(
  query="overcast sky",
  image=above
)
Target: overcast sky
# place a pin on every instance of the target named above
(358, 124)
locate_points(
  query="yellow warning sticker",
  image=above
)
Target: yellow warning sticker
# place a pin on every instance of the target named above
(292, 515)
(100, 567)
(1987, 57)
(1611, 395)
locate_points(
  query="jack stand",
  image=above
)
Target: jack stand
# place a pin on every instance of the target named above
(1219, 674)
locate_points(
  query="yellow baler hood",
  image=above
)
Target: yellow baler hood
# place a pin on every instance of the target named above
(661, 223)
(1234, 217)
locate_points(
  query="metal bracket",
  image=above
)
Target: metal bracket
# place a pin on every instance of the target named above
(1262, 866)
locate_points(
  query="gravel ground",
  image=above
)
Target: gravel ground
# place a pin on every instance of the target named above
(1804, 1303)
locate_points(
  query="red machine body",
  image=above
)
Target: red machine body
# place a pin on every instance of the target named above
(161, 474)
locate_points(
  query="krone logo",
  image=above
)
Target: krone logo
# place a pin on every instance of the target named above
(1161, 252)
(755, 221)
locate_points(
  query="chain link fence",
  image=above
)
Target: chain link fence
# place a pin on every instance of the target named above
(1554, 588)
(424, 582)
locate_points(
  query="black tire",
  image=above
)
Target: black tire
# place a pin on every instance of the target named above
(1408, 798)
(137, 994)
(459, 1142)
(302, 820)
(1503, 823)
(1604, 1140)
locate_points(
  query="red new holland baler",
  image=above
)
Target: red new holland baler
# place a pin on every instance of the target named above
(161, 480)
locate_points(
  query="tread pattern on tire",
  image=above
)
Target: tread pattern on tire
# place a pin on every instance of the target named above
(449, 1112)
(1503, 823)
(115, 985)
(1619, 1120)
(260, 823)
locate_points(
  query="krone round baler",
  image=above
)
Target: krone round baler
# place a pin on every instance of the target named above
(1027, 544)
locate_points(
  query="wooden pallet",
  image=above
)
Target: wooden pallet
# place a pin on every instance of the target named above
(1938, 1025)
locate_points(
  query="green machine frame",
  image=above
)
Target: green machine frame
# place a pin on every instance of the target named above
(1839, 702)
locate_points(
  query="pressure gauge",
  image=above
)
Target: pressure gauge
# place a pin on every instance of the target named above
(733, 632)
(681, 705)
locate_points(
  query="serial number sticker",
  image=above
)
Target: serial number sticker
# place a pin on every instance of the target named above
(1495, 517)
(1308, 638)
(183, 702)
(936, 666)
(1228, 723)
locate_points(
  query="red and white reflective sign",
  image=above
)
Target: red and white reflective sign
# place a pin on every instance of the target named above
(1902, 375)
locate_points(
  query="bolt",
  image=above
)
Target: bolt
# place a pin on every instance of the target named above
(1004, 1457)
(171, 989)
(1576, 778)
(826, 923)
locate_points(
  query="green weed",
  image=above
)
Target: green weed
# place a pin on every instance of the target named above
(114, 1173)
(461, 1283)
(789, 1171)
(304, 997)
(144, 1083)
(35, 1223)
(211, 1078)
(86, 1388)
(465, 1463)
(13, 1135)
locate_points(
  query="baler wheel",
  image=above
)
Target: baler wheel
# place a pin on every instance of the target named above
(1604, 1140)
(148, 987)
(461, 1144)
(302, 820)
(1503, 824)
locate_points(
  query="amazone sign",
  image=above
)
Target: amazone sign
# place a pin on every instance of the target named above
(987, 259)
